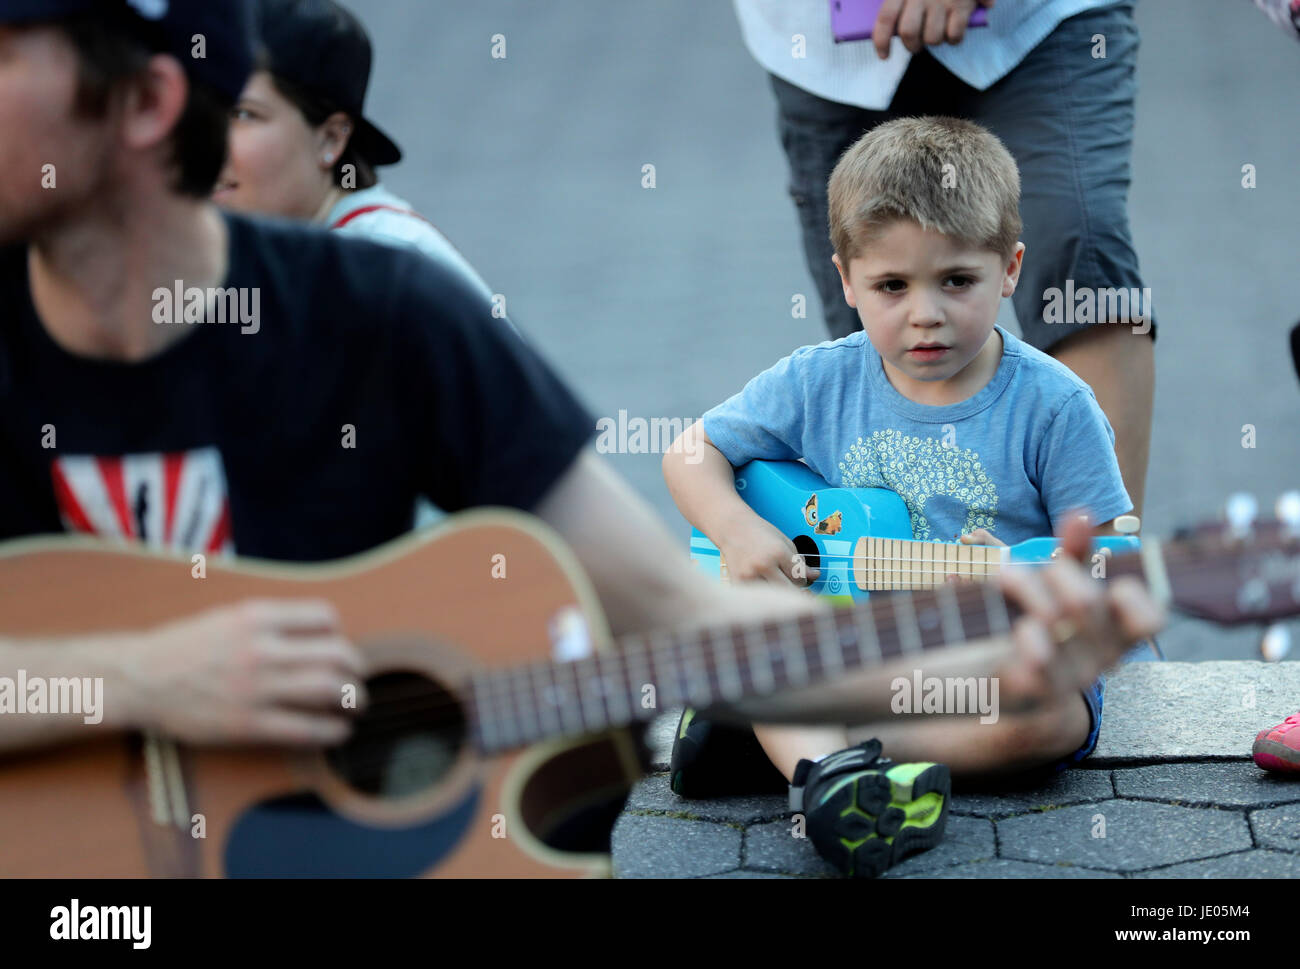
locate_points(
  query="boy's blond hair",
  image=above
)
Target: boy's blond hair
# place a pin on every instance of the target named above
(897, 171)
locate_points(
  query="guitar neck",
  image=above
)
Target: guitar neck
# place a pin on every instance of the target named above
(891, 564)
(701, 667)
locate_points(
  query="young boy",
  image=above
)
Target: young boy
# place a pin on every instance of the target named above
(985, 438)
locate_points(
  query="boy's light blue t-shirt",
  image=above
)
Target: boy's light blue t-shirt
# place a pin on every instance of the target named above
(1026, 449)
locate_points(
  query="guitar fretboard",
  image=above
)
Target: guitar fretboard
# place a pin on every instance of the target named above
(891, 564)
(646, 674)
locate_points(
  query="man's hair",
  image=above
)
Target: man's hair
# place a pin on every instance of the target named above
(316, 110)
(114, 45)
(899, 170)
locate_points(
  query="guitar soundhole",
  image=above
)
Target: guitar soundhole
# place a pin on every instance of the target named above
(805, 546)
(406, 740)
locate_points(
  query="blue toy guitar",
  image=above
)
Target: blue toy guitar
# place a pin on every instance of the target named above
(861, 538)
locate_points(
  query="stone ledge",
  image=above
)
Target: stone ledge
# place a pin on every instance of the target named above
(1156, 712)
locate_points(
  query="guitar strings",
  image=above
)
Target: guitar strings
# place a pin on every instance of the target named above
(499, 685)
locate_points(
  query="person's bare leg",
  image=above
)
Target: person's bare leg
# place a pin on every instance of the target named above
(970, 748)
(786, 746)
(1119, 365)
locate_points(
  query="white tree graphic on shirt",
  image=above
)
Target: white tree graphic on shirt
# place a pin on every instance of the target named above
(918, 469)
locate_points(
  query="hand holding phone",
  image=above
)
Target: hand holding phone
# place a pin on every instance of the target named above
(917, 22)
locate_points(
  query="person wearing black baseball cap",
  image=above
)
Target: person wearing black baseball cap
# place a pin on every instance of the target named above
(301, 145)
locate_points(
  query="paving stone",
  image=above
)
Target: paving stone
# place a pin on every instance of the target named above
(1006, 868)
(742, 873)
(771, 847)
(1068, 787)
(1192, 711)
(659, 737)
(1228, 785)
(1246, 864)
(653, 794)
(1138, 835)
(655, 847)
(964, 840)
(1277, 827)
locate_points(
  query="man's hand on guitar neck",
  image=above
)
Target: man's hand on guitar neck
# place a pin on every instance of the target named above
(1075, 627)
(259, 671)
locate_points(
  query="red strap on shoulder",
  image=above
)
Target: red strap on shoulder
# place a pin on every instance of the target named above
(366, 210)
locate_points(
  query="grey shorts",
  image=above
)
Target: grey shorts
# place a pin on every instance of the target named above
(1067, 119)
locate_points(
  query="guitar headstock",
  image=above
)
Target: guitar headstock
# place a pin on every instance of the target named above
(1239, 570)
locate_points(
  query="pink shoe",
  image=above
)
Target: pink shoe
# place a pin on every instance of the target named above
(1278, 748)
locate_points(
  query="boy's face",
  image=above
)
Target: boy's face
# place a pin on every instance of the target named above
(914, 288)
(38, 83)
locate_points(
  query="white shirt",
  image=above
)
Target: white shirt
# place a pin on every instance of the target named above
(392, 220)
(852, 72)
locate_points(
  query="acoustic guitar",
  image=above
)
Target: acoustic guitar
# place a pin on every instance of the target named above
(500, 737)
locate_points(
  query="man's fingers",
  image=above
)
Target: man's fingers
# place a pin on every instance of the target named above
(312, 688)
(297, 729)
(1076, 535)
(882, 32)
(957, 21)
(935, 25)
(909, 24)
(1079, 599)
(1025, 588)
(290, 615)
(315, 651)
(1138, 615)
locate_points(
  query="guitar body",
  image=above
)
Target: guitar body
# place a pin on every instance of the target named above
(426, 611)
(840, 529)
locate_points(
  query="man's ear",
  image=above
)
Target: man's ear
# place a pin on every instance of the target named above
(154, 102)
(844, 281)
(1011, 276)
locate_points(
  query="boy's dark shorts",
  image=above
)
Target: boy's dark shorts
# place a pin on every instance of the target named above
(1067, 119)
(1094, 697)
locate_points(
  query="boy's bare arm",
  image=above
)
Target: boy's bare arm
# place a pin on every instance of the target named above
(703, 484)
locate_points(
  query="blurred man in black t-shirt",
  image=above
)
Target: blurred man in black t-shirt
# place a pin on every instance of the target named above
(121, 416)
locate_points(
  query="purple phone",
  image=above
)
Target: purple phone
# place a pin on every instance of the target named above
(853, 19)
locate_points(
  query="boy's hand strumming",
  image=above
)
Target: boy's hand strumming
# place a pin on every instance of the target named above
(755, 550)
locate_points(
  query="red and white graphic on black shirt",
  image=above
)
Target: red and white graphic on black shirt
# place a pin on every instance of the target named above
(174, 501)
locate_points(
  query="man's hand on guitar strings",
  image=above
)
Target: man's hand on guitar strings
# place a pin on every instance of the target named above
(259, 671)
(1074, 627)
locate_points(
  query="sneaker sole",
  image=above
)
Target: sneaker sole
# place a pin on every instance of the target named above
(1275, 755)
(885, 817)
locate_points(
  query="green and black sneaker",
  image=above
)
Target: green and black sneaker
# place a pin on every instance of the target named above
(713, 759)
(865, 813)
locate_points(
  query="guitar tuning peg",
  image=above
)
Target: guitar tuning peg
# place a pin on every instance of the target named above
(1127, 524)
(1240, 510)
(1287, 510)
(1276, 643)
